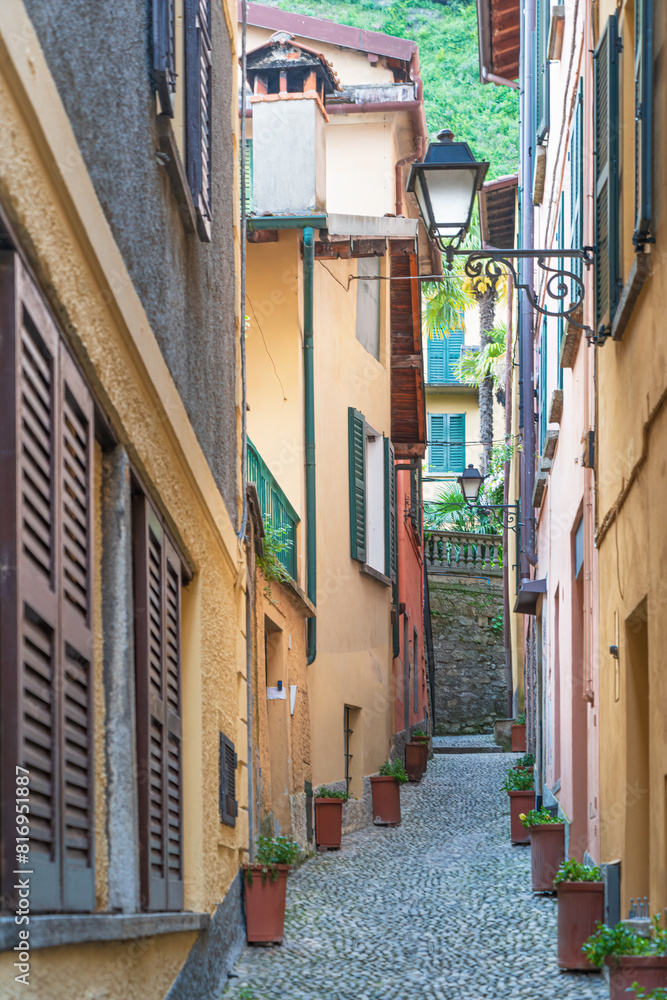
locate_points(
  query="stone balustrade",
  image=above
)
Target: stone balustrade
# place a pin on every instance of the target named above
(464, 552)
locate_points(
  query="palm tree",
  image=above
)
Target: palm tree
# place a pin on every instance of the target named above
(474, 366)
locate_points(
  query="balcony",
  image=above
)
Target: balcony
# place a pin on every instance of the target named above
(276, 509)
(464, 553)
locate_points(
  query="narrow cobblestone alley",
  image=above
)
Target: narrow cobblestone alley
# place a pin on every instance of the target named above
(439, 908)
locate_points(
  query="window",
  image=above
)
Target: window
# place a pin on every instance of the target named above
(643, 121)
(194, 104)
(158, 573)
(227, 764)
(372, 496)
(446, 436)
(46, 539)
(606, 176)
(442, 357)
(368, 305)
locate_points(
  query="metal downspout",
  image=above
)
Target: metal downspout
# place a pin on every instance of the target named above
(309, 414)
(528, 140)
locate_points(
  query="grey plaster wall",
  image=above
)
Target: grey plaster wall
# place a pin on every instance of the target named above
(100, 57)
(470, 684)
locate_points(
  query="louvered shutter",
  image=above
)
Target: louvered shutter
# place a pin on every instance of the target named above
(164, 53)
(542, 17)
(157, 589)
(389, 510)
(436, 442)
(643, 121)
(454, 347)
(561, 264)
(606, 176)
(577, 186)
(248, 176)
(436, 353)
(457, 448)
(357, 464)
(198, 109)
(46, 598)
(543, 386)
(227, 800)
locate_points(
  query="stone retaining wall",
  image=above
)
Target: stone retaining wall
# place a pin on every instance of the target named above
(470, 685)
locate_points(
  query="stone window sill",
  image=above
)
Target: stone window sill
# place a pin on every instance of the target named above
(375, 574)
(52, 930)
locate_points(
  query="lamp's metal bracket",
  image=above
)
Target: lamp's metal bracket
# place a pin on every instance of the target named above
(562, 286)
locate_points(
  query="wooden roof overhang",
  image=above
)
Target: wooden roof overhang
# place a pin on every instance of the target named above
(497, 212)
(499, 31)
(408, 410)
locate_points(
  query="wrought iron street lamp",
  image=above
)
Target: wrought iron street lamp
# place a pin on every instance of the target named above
(445, 184)
(471, 483)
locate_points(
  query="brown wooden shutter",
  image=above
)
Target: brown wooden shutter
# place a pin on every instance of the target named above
(157, 580)
(46, 640)
(198, 110)
(227, 793)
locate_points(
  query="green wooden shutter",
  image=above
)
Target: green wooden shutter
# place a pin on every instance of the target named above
(543, 386)
(456, 436)
(436, 360)
(436, 439)
(389, 510)
(454, 346)
(606, 176)
(357, 460)
(248, 176)
(577, 184)
(561, 263)
(542, 9)
(643, 120)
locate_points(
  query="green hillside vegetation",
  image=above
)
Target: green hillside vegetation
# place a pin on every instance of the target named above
(486, 116)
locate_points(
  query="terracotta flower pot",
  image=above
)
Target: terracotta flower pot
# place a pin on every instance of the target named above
(547, 842)
(386, 794)
(265, 904)
(520, 802)
(580, 906)
(415, 760)
(328, 823)
(650, 971)
(518, 738)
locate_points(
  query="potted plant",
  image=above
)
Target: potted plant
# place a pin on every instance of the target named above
(385, 790)
(415, 760)
(422, 739)
(634, 960)
(329, 818)
(547, 841)
(658, 994)
(519, 785)
(580, 909)
(519, 734)
(419, 736)
(265, 889)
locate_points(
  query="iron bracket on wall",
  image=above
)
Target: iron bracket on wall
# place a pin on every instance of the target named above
(564, 289)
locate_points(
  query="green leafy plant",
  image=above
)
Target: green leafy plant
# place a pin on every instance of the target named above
(521, 720)
(574, 871)
(332, 793)
(525, 763)
(274, 544)
(420, 734)
(394, 769)
(474, 366)
(538, 817)
(623, 940)
(271, 852)
(518, 780)
(498, 623)
(659, 993)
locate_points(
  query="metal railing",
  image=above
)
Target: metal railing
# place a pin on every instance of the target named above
(277, 511)
(464, 552)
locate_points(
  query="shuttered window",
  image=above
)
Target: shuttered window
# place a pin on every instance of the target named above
(198, 110)
(543, 385)
(46, 548)
(248, 176)
(643, 121)
(446, 442)
(443, 356)
(228, 804)
(164, 53)
(560, 238)
(390, 540)
(541, 64)
(357, 467)
(606, 176)
(157, 595)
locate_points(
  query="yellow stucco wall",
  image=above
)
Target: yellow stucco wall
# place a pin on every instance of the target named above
(54, 208)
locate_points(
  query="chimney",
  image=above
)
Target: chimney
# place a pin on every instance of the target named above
(289, 84)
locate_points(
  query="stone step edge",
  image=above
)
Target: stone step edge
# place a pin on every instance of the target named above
(469, 750)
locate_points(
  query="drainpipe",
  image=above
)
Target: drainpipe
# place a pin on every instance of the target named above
(309, 412)
(528, 139)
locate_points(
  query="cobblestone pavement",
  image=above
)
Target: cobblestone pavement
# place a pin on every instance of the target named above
(476, 740)
(439, 908)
